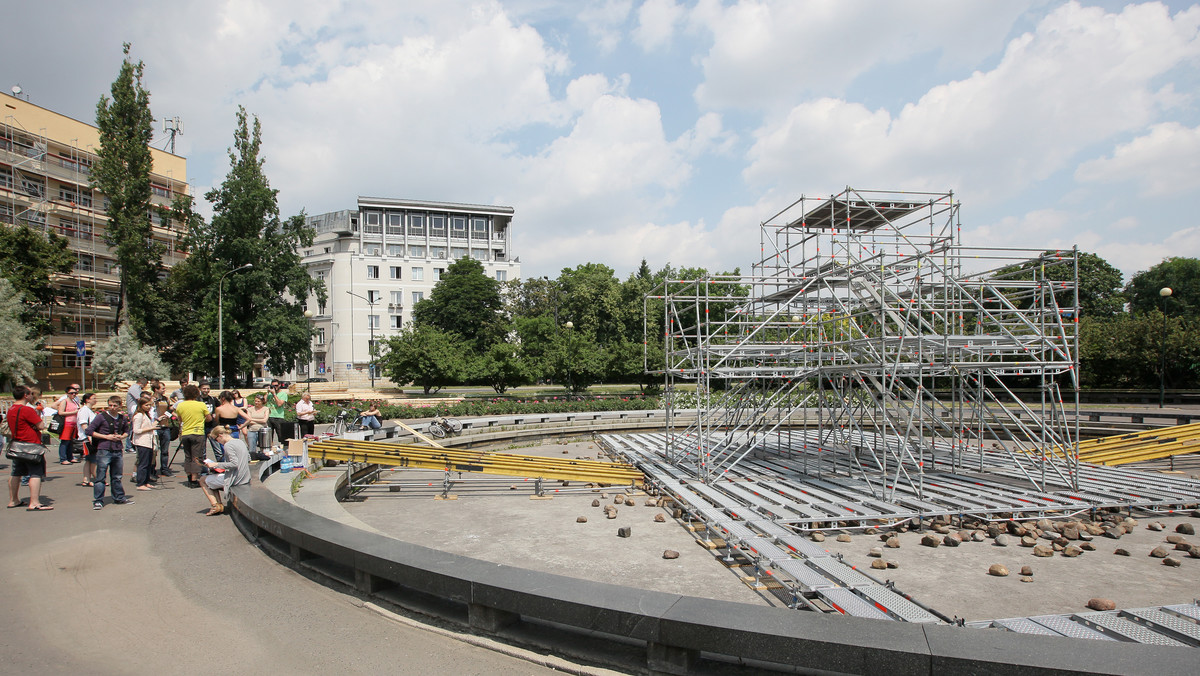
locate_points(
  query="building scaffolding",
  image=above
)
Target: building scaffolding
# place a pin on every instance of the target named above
(869, 341)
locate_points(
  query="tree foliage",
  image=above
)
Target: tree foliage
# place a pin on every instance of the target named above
(29, 259)
(122, 173)
(465, 302)
(1181, 275)
(19, 354)
(264, 304)
(426, 356)
(124, 357)
(502, 366)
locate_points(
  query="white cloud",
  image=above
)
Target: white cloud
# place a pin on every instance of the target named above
(1081, 77)
(1164, 162)
(766, 53)
(604, 20)
(657, 20)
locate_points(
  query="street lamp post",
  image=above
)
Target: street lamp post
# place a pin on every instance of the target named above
(371, 345)
(221, 325)
(308, 314)
(1165, 293)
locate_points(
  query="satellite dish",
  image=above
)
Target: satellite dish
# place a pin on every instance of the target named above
(16, 90)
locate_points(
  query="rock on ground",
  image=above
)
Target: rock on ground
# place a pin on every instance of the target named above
(999, 570)
(1101, 604)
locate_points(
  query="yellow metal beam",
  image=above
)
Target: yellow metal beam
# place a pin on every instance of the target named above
(403, 455)
(1162, 442)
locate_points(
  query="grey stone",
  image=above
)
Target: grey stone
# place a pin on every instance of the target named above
(876, 552)
(660, 518)
(1172, 562)
(1176, 538)
(1159, 552)
(1002, 540)
(1072, 551)
(1088, 547)
(1070, 533)
(941, 529)
(1114, 532)
(999, 570)
(581, 519)
(931, 540)
(1155, 526)
(1043, 551)
(843, 537)
(951, 540)
(1121, 552)
(1028, 541)
(595, 503)
(978, 536)
(1027, 579)
(879, 564)
(892, 543)
(1101, 604)
(818, 536)
(624, 531)
(1194, 551)
(892, 563)
(670, 554)
(1186, 529)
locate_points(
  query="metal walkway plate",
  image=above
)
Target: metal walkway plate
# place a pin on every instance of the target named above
(1165, 623)
(1189, 610)
(840, 572)
(806, 577)
(1129, 630)
(1023, 625)
(849, 603)
(896, 604)
(1065, 626)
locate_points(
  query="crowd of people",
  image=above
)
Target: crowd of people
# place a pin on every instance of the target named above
(146, 420)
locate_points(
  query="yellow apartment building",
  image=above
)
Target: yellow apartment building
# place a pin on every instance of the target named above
(45, 168)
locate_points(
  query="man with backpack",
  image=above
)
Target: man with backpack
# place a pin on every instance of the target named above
(109, 429)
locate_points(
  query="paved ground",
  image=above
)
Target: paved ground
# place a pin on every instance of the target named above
(155, 587)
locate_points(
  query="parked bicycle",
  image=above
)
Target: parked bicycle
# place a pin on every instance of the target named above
(440, 426)
(348, 420)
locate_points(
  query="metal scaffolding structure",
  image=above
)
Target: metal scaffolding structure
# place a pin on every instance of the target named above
(868, 323)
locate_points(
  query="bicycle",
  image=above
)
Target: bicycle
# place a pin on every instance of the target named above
(340, 426)
(439, 426)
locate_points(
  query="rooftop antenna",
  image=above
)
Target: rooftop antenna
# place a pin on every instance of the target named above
(173, 126)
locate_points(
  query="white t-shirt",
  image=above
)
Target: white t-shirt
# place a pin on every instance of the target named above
(84, 419)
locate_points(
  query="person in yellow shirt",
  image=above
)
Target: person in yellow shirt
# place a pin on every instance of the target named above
(192, 416)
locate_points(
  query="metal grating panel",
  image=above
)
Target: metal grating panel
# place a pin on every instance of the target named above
(1188, 610)
(1023, 625)
(807, 578)
(1065, 626)
(848, 603)
(896, 604)
(1130, 630)
(840, 572)
(1166, 623)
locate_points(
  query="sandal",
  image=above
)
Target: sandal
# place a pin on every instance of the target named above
(218, 509)
(85, 484)
(39, 508)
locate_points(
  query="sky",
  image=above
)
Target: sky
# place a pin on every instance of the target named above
(667, 130)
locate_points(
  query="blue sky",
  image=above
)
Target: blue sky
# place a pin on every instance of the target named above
(666, 129)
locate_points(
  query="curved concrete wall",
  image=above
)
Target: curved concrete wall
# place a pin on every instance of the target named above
(654, 631)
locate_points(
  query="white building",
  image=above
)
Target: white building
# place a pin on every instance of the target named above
(379, 260)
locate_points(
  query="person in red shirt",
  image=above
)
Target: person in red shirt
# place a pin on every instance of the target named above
(26, 424)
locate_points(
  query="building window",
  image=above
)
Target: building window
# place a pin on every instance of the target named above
(85, 264)
(479, 228)
(416, 251)
(373, 226)
(373, 249)
(498, 255)
(479, 254)
(320, 337)
(395, 224)
(321, 310)
(372, 321)
(437, 226)
(457, 252)
(458, 226)
(328, 249)
(397, 299)
(372, 272)
(437, 274)
(416, 225)
(396, 272)
(437, 252)
(395, 249)
(397, 321)
(373, 296)
(498, 234)
(418, 296)
(308, 253)
(502, 275)
(418, 274)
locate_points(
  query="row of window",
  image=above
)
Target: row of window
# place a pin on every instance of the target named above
(417, 275)
(419, 224)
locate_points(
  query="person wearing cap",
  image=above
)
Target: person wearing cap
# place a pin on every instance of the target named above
(68, 407)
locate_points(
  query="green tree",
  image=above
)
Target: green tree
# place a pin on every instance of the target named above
(576, 360)
(426, 356)
(502, 366)
(122, 173)
(465, 302)
(28, 260)
(1181, 275)
(19, 354)
(264, 304)
(124, 357)
(1100, 290)
(535, 336)
(590, 298)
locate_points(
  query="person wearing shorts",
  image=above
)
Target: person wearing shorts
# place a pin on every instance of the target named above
(25, 424)
(193, 414)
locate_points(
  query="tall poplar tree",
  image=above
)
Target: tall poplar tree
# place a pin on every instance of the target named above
(263, 305)
(122, 173)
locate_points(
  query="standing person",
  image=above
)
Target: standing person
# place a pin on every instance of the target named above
(177, 395)
(144, 427)
(210, 402)
(193, 414)
(87, 451)
(238, 399)
(256, 422)
(370, 417)
(162, 435)
(109, 429)
(25, 424)
(306, 414)
(234, 471)
(277, 398)
(68, 407)
(132, 396)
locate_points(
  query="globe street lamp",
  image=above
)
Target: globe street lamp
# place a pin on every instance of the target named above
(221, 325)
(371, 326)
(1165, 293)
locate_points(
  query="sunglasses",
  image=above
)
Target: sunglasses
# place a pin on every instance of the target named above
(72, 391)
